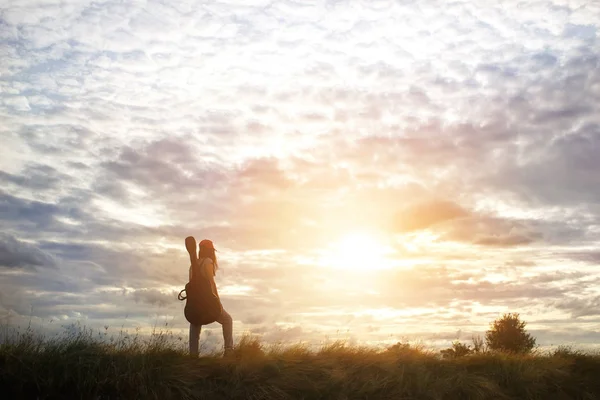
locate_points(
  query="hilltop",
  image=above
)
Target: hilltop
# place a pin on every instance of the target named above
(81, 366)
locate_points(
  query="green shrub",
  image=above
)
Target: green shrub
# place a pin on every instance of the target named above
(508, 334)
(458, 349)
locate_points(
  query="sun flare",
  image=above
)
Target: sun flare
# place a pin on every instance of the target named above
(357, 251)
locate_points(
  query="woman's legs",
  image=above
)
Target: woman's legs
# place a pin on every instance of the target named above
(194, 339)
(227, 322)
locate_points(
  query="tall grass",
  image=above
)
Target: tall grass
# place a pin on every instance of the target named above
(83, 365)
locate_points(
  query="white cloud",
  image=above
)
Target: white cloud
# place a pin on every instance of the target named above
(280, 125)
(17, 103)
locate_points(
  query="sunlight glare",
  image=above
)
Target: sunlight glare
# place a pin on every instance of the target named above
(357, 251)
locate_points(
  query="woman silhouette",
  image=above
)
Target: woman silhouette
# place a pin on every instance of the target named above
(207, 260)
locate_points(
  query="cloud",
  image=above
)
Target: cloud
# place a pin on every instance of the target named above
(493, 231)
(505, 241)
(15, 253)
(456, 223)
(27, 213)
(17, 103)
(154, 297)
(35, 177)
(563, 173)
(465, 141)
(253, 319)
(580, 307)
(424, 215)
(590, 256)
(279, 335)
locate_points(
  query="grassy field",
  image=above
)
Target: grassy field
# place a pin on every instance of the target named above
(84, 366)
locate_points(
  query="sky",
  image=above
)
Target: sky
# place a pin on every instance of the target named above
(371, 171)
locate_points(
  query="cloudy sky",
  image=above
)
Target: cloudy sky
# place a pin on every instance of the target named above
(368, 170)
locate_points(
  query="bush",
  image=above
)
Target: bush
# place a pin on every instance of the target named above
(478, 344)
(408, 351)
(508, 334)
(564, 351)
(458, 349)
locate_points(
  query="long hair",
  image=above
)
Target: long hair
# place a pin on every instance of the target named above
(207, 252)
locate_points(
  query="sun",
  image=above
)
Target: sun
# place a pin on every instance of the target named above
(357, 251)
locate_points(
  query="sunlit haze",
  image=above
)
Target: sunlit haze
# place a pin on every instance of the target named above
(371, 171)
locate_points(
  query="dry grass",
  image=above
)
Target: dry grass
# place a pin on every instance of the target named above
(81, 365)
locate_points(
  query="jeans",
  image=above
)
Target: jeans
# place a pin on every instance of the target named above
(225, 320)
